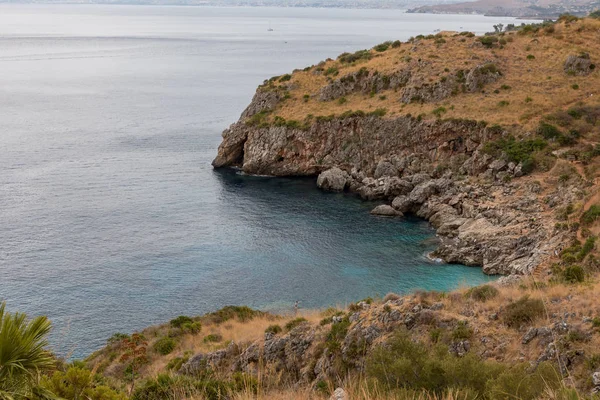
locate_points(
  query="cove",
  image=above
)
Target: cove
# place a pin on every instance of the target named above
(326, 248)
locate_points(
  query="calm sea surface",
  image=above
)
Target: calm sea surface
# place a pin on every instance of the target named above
(111, 217)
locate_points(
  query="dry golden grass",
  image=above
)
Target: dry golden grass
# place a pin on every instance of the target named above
(542, 79)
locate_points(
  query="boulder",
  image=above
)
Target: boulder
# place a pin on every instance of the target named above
(402, 204)
(579, 64)
(386, 211)
(423, 191)
(385, 168)
(333, 179)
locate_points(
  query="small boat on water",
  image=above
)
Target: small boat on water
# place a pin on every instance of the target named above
(270, 29)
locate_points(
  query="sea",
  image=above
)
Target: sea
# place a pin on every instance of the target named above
(111, 216)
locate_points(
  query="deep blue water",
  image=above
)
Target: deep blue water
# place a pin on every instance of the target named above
(111, 217)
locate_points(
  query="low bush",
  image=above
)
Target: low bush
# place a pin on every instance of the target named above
(523, 311)
(438, 112)
(336, 335)
(180, 321)
(73, 384)
(521, 151)
(274, 329)
(212, 338)
(482, 293)
(294, 323)
(241, 313)
(332, 71)
(176, 363)
(548, 131)
(462, 331)
(166, 386)
(573, 274)
(192, 327)
(402, 364)
(381, 47)
(164, 345)
(591, 215)
(285, 78)
(349, 58)
(488, 41)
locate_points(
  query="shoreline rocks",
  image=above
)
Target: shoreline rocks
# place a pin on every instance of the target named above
(485, 213)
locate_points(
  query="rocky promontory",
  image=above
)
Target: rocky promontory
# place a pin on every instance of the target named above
(438, 145)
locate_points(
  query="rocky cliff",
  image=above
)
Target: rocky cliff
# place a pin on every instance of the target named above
(490, 190)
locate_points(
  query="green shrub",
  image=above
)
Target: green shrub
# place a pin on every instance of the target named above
(274, 329)
(179, 321)
(336, 335)
(164, 345)
(212, 338)
(285, 78)
(591, 215)
(482, 293)
(575, 86)
(462, 331)
(573, 274)
(379, 112)
(294, 323)
(520, 382)
(242, 313)
(503, 103)
(435, 335)
(595, 14)
(517, 151)
(439, 111)
(396, 44)
(382, 46)
(528, 99)
(176, 363)
(523, 311)
(488, 41)
(342, 100)
(548, 131)
(530, 57)
(192, 327)
(332, 71)
(76, 383)
(349, 58)
(404, 364)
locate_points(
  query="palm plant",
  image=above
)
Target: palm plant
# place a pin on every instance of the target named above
(22, 355)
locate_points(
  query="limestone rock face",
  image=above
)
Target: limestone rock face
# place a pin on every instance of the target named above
(419, 167)
(365, 82)
(579, 64)
(333, 179)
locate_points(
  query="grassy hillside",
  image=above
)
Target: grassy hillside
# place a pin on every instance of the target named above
(531, 60)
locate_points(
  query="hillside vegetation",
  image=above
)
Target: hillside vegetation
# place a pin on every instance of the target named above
(412, 77)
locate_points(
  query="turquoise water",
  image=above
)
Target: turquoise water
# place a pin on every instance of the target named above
(112, 218)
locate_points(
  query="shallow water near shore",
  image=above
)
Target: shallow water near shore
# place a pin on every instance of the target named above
(112, 217)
